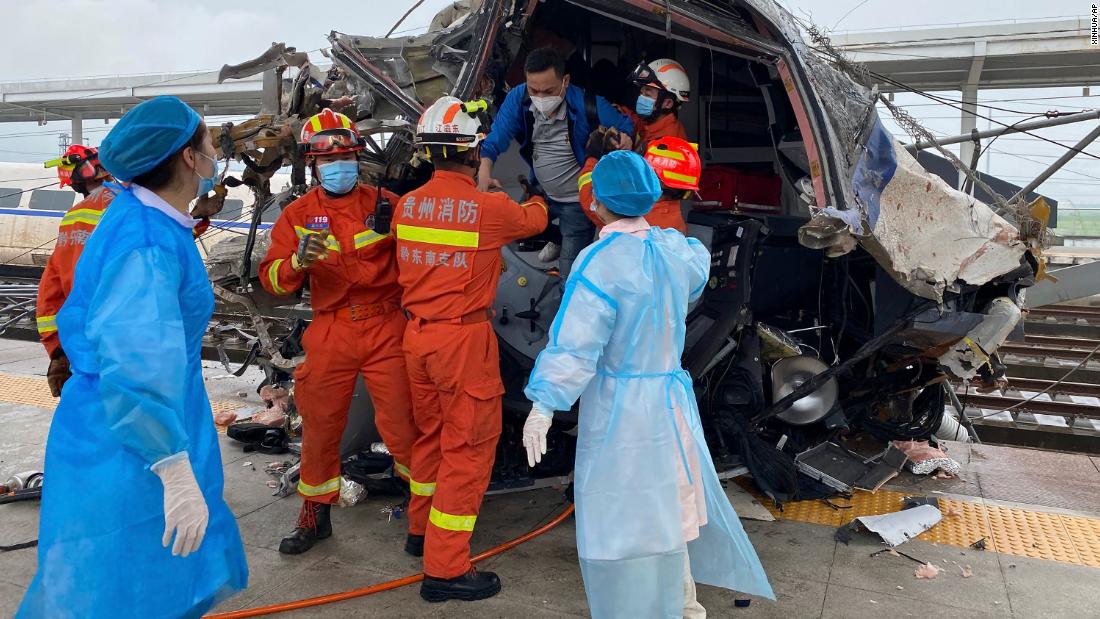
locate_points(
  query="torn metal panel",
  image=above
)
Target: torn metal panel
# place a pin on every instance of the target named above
(277, 56)
(899, 527)
(454, 14)
(478, 33)
(393, 75)
(933, 236)
(925, 233)
(408, 72)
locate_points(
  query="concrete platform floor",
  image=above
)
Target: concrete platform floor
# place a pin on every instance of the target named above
(813, 575)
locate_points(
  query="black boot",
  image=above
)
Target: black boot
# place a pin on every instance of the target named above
(313, 524)
(414, 545)
(471, 586)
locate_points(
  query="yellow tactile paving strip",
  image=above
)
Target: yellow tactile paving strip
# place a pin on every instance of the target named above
(1008, 530)
(26, 390)
(33, 391)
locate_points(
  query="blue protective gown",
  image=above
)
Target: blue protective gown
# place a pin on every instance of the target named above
(132, 329)
(616, 343)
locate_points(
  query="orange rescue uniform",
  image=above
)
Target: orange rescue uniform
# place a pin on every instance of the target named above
(449, 237)
(57, 279)
(357, 328)
(666, 125)
(665, 214)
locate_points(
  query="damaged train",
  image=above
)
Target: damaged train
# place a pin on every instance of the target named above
(842, 295)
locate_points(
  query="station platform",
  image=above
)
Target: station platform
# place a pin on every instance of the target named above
(1038, 513)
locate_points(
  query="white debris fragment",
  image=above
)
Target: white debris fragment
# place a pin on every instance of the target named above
(899, 527)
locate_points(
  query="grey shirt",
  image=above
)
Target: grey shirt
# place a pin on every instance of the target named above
(553, 158)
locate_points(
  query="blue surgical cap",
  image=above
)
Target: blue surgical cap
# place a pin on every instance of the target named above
(146, 136)
(625, 184)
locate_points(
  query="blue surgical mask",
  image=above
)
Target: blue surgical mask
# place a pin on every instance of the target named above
(339, 177)
(645, 105)
(206, 184)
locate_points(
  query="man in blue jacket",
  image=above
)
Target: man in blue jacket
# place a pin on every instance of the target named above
(551, 120)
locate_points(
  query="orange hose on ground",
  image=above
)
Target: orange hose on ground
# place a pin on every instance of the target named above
(385, 586)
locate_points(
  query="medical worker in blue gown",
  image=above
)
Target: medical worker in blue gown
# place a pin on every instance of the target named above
(133, 523)
(652, 517)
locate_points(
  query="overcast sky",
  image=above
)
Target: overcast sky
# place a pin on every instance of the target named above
(80, 38)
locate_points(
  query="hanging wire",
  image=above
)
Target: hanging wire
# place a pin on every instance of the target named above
(23, 191)
(994, 138)
(990, 119)
(917, 130)
(863, 75)
(23, 180)
(1017, 211)
(404, 17)
(12, 260)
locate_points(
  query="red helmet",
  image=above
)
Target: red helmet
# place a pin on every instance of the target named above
(676, 162)
(80, 164)
(330, 133)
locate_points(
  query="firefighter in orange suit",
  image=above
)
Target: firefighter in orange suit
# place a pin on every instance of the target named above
(79, 168)
(677, 164)
(327, 236)
(449, 237)
(663, 86)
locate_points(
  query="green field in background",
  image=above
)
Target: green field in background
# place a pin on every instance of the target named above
(1078, 222)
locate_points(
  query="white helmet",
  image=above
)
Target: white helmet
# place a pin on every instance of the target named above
(451, 122)
(666, 74)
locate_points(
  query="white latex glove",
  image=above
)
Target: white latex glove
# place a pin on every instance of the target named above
(534, 433)
(185, 512)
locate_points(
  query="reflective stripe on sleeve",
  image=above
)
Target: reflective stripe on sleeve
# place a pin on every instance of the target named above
(584, 179)
(367, 237)
(87, 216)
(273, 276)
(47, 324)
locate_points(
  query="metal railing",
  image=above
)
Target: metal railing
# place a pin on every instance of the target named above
(17, 303)
(991, 22)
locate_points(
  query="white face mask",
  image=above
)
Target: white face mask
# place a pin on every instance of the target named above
(546, 105)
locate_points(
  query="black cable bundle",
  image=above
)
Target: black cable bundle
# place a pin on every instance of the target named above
(928, 409)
